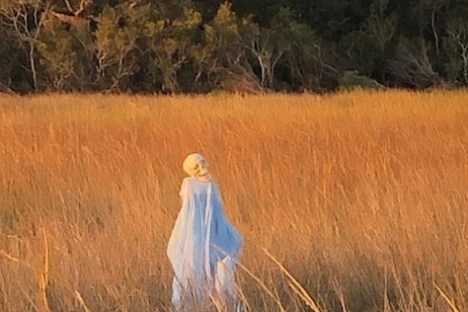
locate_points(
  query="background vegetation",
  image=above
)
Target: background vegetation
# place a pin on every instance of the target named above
(361, 197)
(248, 46)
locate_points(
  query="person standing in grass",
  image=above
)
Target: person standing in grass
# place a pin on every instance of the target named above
(204, 247)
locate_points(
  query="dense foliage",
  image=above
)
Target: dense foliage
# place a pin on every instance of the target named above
(199, 46)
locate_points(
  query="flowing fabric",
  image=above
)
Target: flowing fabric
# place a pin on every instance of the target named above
(203, 247)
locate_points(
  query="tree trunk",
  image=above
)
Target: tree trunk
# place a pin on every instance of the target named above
(32, 64)
(434, 32)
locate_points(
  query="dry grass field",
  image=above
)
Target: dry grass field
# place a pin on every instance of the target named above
(360, 198)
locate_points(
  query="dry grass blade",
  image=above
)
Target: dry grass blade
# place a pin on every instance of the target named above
(218, 305)
(81, 301)
(446, 298)
(12, 259)
(243, 299)
(295, 285)
(44, 278)
(263, 286)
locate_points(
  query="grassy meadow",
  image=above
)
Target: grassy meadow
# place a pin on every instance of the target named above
(351, 202)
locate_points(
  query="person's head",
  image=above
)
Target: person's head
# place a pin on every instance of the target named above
(195, 165)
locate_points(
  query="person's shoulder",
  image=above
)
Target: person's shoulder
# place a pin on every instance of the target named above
(185, 186)
(189, 180)
(189, 183)
(193, 182)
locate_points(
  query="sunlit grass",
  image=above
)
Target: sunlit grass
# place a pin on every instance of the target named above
(360, 197)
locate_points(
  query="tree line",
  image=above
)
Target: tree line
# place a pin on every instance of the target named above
(175, 46)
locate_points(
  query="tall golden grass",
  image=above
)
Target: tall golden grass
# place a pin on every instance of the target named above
(351, 202)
